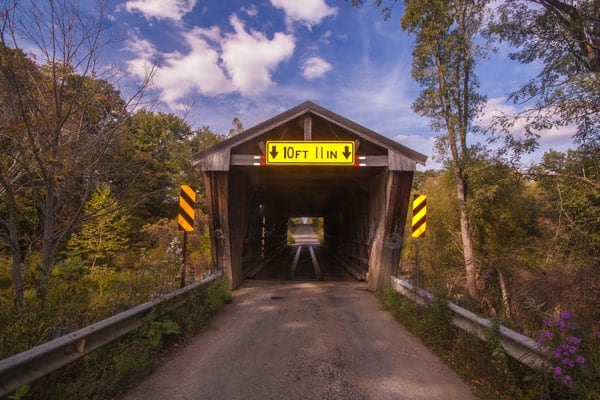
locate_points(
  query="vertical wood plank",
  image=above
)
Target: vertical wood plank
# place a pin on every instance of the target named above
(307, 128)
(389, 208)
(211, 201)
(238, 210)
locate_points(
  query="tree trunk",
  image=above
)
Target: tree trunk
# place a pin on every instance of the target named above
(48, 242)
(13, 239)
(17, 262)
(504, 291)
(465, 231)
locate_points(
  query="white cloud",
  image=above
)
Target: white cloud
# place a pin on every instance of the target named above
(422, 144)
(216, 63)
(178, 75)
(315, 67)
(251, 11)
(250, 58)
(307, 12)
(161, 9)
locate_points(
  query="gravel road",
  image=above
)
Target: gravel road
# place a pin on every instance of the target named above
(303, 340)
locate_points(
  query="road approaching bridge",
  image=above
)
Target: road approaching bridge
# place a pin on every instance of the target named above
(303, 340)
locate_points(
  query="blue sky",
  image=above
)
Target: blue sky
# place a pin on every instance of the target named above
(216, 60)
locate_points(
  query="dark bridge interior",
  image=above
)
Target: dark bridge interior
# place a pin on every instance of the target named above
(364, 206)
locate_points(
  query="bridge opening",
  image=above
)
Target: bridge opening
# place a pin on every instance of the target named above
(254, 199)
(305, 230)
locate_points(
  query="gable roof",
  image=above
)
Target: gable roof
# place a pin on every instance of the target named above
(217, 157)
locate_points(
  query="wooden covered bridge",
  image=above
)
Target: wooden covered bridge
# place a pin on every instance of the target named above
(308, 161)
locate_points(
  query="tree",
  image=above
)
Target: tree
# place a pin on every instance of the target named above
(203, 139)
(157, 151)
(444, 59)
(104, 233)
(13, 177)
(564, 36)
(237, 127)
(504, 212)
(65, 122)
(570, 196)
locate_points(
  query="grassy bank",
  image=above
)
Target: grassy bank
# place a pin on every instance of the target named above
(110, 370)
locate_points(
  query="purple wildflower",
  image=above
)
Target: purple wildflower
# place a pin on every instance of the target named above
(580, 359)
(574, 340)
(544, 336)
(569, 362)
(557, 372)
(558, 353)
(567, 314)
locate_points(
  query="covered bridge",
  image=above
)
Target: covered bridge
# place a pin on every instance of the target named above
(308, 161)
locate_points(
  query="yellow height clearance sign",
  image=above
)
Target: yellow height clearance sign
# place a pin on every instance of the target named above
(310, 152)
(187, 202)
(419, 208)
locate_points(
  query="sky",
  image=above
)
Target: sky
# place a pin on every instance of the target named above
(216, 60)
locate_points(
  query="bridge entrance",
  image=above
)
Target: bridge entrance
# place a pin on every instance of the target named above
(308, 161)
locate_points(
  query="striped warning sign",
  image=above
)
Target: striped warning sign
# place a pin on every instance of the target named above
(186, 208)
(419, 209)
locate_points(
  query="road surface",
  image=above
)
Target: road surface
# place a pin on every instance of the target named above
(303, 340)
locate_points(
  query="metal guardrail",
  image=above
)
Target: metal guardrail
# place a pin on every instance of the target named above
(26, 367)
(516, 345)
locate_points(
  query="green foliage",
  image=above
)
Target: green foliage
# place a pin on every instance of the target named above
(60, 135)
(204, 138)
(570, 199)
(108, 371)
(563, 36)
(163, 241)
(448, 46)
(237, 127)
(491, 373)
(159, 149)
(430, 321)
(440, 252)
(105, 231)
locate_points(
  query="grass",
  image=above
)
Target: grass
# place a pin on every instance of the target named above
(112, 369)
(491, 374)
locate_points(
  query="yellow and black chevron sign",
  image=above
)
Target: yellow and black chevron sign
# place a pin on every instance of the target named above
(187, 202)
(419, 208)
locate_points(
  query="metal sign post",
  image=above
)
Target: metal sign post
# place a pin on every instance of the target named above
(419, 226)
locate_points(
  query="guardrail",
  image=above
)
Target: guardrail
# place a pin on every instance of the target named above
(26, 367)
(516, 345)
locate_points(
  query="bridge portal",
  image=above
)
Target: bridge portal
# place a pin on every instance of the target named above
(308, 161)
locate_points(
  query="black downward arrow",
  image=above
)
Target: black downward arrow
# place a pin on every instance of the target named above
(346, 152)
(274, 152)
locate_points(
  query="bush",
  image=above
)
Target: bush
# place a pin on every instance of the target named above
(109, 371)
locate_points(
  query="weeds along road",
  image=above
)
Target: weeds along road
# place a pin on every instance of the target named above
(303, 340)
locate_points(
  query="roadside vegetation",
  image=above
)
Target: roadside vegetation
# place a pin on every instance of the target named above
(539, 274)
(513, 242)
(89, 183)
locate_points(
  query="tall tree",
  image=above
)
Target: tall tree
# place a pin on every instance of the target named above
(444, 59)
(65, 120)
(14, 232)
(564, 36)
(157, 144)
(570, 200)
